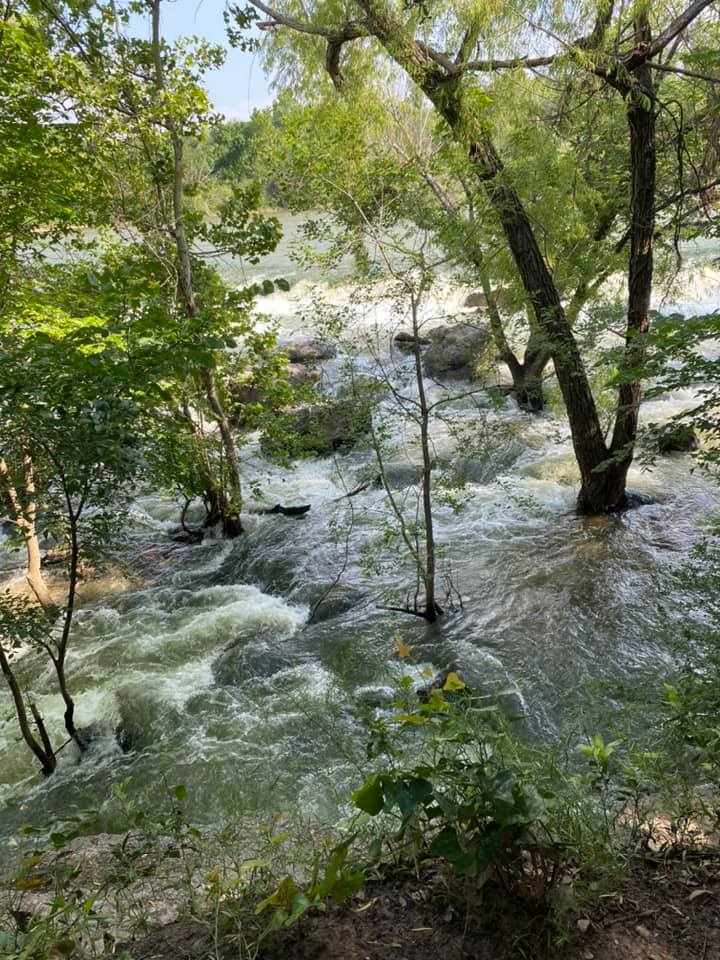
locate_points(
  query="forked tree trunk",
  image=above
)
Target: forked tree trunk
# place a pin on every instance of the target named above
(527, 375)
(446, 94)
(43, 751)
(603, 468)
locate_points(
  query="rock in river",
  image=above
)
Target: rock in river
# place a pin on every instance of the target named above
(318, 430)
(455, 351)
(308, 351)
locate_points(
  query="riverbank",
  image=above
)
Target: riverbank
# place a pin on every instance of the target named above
(163, 898)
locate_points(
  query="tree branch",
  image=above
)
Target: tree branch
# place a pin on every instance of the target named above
(685, 73)
(679, 24)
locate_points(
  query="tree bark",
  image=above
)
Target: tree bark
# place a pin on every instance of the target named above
(47, 759)
(642, 119)
(431, 608)
(25, 519)
(231, 518)
(445, 93)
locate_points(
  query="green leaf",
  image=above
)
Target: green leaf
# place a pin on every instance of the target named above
(446, 845)
(369, 798)
(407, 795)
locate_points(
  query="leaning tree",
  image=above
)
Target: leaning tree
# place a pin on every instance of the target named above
(451, 55)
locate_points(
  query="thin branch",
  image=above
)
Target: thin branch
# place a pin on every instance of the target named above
(685, 73)
(679, 24)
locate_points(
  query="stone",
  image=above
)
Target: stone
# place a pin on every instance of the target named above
(299, 374)
(191, 533)
(477, 300)
(678, 438)
(634, 499)
(405, 341)
(455, 351)
(401, 474)
(308, 351)
(328, 604)
(318, 430)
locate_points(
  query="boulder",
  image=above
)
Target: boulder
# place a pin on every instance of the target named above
(190, 533)
(477, 300)
(405, 341)
(140, 718)
(455, 352)
(250, 394)
(635, 499)
(299, 374)
(678, 438)
(401, 474)
(318, 430)
(308, 351)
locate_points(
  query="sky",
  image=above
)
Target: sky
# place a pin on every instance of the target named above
(240, 86)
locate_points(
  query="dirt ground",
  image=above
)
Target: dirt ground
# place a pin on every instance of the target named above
(663, 910)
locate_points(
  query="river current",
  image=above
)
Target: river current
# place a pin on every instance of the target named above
(550, 601)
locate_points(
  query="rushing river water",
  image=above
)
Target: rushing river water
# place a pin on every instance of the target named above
(549, 601)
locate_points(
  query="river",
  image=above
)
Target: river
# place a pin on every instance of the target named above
(550, 602)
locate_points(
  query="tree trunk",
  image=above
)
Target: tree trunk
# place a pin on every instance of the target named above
(642, 118)
(446, 94)
(431, 611)
(59, 660)
(587, 435)
(25, 517)
(528, 388)
(34, 574)
(46, 758)
(231, 521)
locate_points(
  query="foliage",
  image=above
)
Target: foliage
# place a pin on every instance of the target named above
(460, 786)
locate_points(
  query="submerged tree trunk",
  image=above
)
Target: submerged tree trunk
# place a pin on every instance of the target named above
(432, 610)
(642, 119)
(446, 94)
(43, 752)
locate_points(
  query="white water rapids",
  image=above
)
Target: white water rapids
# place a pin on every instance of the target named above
(549, 601)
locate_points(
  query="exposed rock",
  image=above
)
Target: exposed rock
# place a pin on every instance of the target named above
(678, 438)
(244, 394)
(401, 474)
(91, 732)
(192, 533)
(251, 395)
(634, 498)
(299, 374)
(405, 341)
(455, 351)
(308, 351)
(484, 465)
(297, 511)
(500, 391)
(318, 430)
(476, 300)
(140, 720)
